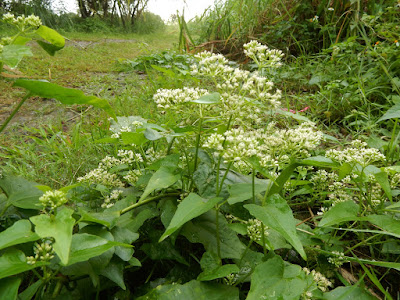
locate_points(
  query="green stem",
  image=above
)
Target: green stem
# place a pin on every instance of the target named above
(245, 251)
(148, 200)
(14, 112)
(217, 233)
(223, 179)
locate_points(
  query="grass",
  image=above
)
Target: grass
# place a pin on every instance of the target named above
(56, 141)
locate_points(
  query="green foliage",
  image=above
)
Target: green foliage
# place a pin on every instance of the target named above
(222, 196)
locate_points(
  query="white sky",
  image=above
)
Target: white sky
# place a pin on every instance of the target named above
(163, 8)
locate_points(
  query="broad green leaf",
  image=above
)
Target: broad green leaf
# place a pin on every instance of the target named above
(21, 192)
(219, 272)
(281, 180)
(385, 222)
(164, 250)
(243, 191)
(30, 291)
(13, 54)
(203, 230)
(381, 177)
(193, 290)
(277, 215)
(341, 212)
(13, 262)
(106, 218)
(9, 288)
(190, 207)
(134, 221)
(275, 280)
(289, 114)
(152, 135)
(85, 246)
(60, 228)
(67, 96)
(20, 232)
(133, 138)
(392, 113)
(348, 293)
(161, 179)
(55, 41)
(115, 272)
(51, 36)
(124, 235)
(99, 262)
(212, 98)
(49, 48)
(319, 161)
(169, 161)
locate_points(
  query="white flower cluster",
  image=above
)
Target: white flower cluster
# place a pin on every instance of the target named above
(211, 64)
(171, 99)
(338, 259)
(126, 124)
(358, 153)
(273, 147)
(262, 55)
(110, 200)
(42, 252)
(254, 230)
(102, 174)
(53, 199)
(22, 22)
(322, 282)
(133, 176)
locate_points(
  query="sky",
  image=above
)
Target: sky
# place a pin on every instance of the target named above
(163, 8)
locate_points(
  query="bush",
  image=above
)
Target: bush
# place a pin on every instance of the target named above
(148, 23)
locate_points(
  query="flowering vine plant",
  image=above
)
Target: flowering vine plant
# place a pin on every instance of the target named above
(213, 194)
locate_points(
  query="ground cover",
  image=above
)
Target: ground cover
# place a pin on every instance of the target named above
(210, 184)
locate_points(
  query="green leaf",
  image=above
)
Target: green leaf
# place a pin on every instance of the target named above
(274, 279)
(64, 95)
(13, 262)
(319, 161)
(190, 207)
(277, 215)
(289, 114)
(212, 98)
(341, 212)
(9, 288)
(243, 191)
(55, 41)
(106, 218)
(169, 161)
(219, 272)
(85, 246)
(30, 291)
(13, 54)
(381, 177)
(51, 36)
(161, 179)
(115, 272)
(203, 230)
(348, 293)
(49, 48)
(133, 138)
(385, 222)
(60, 228)
(21, 193)
(124, 235)
(193, 290)
(281, 180)
(392, 113)
(19, 233)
